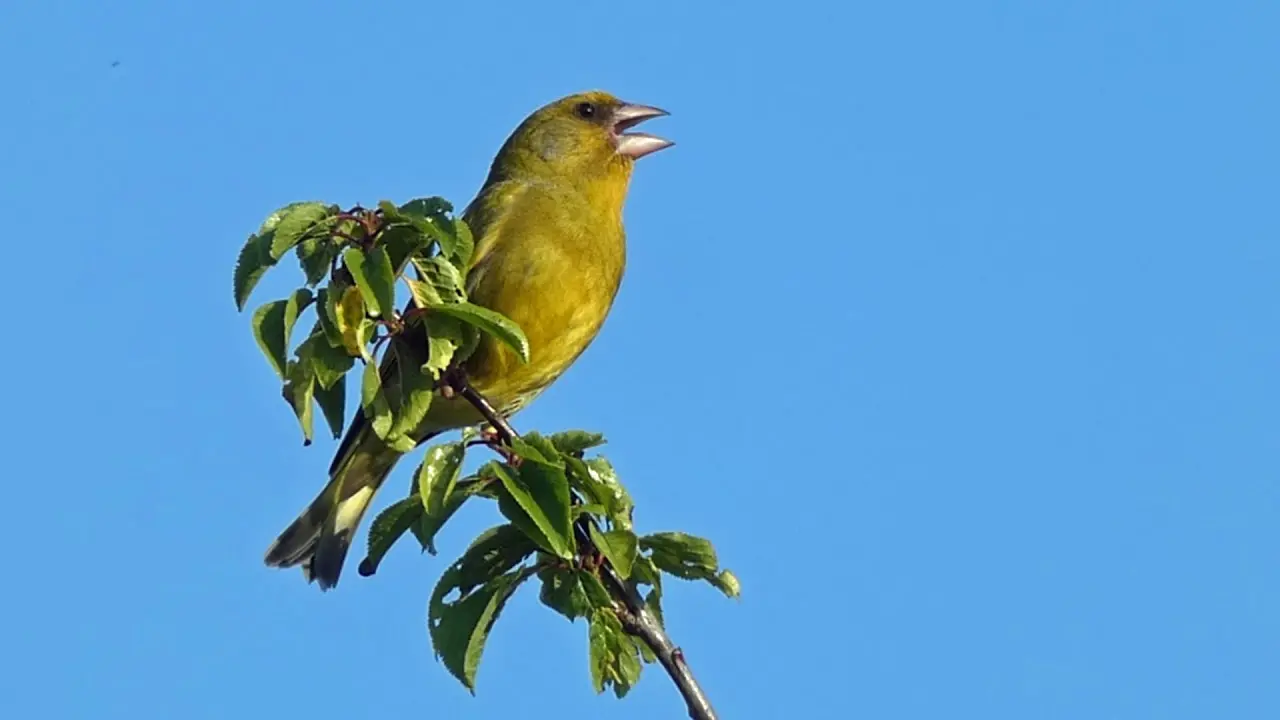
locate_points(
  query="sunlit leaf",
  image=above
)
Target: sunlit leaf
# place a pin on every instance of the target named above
(598, 482)
(483, 579)
(430, 523)
(375, 277)
(253, 263)
(442, 276)
(533, 446)
(426, 207)
(316, 254)
(424, 293)
(618, 546)
(327, 362)
(615, 660)
(415, 392)
(690, 557)
(595, 591)
(351, 322)
(444, 337)
(298, 391)
(562, 591)
(327, 314)
(401, 242)
(488, 321)
(727, 583)
(268, 329)
(387, 529)
(576, 441)
(466, 244)
(438, 475)
(294, 224)
(273, 325)
(537, 499)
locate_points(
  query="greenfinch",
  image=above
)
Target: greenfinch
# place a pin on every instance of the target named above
(550, 253)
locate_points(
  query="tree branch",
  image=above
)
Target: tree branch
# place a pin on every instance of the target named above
(634, 614)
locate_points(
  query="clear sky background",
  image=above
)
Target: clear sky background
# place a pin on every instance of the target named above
(954, 325)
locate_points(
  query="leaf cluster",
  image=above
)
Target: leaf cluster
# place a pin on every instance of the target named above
(567, 516)
(353, 262)
(544, 487)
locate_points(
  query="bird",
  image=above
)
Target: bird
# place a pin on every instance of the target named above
(550, 254)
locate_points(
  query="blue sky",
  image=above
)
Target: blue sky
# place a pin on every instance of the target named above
(954, 325)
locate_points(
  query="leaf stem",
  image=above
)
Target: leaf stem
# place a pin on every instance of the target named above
(636, 618)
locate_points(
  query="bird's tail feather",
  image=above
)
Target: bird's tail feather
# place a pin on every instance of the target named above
(321, 536)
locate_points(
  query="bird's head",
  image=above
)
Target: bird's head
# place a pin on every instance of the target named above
(580, 136)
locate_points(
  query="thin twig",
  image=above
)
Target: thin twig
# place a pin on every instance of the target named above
(636, 618)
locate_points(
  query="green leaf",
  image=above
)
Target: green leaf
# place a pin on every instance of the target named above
(483, 581)
(268, 329)
(375, 277)
(414, 392)
(444, 277)
(444, 337)
(489, 322)
(466, 244)
(273, 325)
(492, 553)
(374, 401)
(350, 320)
(533, 446)
(253, 263)
(646, 572)
(364, 335)
(690, 557)
(464, 626)
(333, 403)
(598, 639)
(727, 583)
(327, 314)
(426, 207)
(402, 241)
(615, 659)
(387, 529)
(575, 442)
(298, 391)
(562, 591)
(328, 363)
(595, 590)
(424, 293)
(619, 547)
(316, 254)
(430, 217)
(537, 499)
(294, 224)
(299, 301)
(597, 480)
(589, 509)
(430, 524)
(438, 474)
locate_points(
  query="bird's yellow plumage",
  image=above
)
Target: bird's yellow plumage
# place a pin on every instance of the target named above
(550, 254)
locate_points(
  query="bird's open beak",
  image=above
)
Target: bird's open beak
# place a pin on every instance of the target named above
(637, 144)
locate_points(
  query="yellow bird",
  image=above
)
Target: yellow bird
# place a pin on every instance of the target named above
(550, 252)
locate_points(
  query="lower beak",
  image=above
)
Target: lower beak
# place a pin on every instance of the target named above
(637, 144)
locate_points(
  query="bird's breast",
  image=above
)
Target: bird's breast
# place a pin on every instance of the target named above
(558, 283)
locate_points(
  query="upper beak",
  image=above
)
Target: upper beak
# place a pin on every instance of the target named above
(637, 144)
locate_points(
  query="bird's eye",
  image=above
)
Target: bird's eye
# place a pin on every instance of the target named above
(585, 110)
